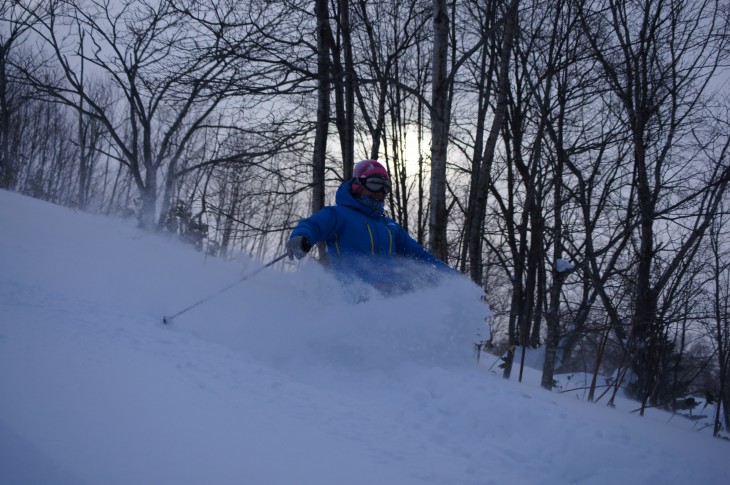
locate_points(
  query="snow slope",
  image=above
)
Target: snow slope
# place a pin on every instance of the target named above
(283, 379)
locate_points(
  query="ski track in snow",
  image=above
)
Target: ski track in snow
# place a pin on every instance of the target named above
(281, 380)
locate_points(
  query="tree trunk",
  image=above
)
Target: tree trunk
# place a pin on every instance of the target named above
(440, 118)
(478, 212)
(343, 75)
(7, 165)
(644, 341)
(148, 196)
(324, 35)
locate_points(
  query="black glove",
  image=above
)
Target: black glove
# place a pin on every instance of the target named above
(298, 247)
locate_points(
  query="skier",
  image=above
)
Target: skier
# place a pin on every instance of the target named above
(361, 240)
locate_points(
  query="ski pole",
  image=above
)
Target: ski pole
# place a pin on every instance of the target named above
(166, 319)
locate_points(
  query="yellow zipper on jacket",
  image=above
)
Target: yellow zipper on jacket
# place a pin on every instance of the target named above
(372, 240)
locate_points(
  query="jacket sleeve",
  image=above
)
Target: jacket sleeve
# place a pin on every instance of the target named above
(319, 227)
(408, 247)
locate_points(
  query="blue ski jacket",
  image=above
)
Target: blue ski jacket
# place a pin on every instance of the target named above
(363, 242)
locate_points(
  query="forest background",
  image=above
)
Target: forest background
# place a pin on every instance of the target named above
(570, 157)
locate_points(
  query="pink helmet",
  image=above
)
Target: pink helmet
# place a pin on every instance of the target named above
(367, 168)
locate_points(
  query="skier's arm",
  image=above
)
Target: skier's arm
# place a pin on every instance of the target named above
(408, 247)
(319, 227)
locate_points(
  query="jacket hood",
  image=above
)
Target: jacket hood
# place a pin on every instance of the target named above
(344, 198)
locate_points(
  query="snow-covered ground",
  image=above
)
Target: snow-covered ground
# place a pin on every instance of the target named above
(282, 379)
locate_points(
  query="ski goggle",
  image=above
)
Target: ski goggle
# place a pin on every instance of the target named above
(375, 184)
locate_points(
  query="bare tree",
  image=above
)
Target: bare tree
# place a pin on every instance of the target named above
(478, 202)
(440, 118)
(721, 314)
(658, 58)
(16, 19)
(324, 37)
(169, 68)
(344, 81)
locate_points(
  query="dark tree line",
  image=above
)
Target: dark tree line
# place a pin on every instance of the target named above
(570, 157)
